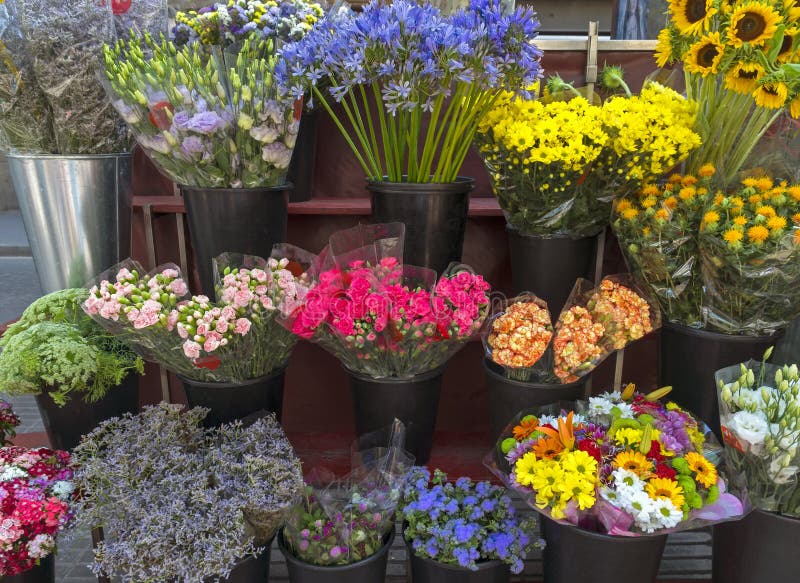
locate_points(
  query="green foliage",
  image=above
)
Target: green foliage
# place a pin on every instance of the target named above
(56, 347)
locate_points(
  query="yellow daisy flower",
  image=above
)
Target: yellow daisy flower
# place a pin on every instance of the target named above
(752, 22)
(666, 488)
(705, 471)
(524, 469)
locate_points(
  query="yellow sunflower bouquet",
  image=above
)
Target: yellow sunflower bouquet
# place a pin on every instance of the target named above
(741, 64)
(621, 463)
(749, 248)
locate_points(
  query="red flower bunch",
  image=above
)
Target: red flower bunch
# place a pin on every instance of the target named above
(385, 319)
(36, 492)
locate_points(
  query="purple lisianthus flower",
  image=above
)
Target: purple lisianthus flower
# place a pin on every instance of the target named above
(192, 146)
(205, 122)
(180, 121)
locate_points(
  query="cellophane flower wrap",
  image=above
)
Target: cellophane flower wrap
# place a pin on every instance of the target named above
(464, 523)
(740, 61)
(180, 502)
(749, 244)
(760, 420)
(207, 115)
(38, 496)
(392, 65)
(620, 464)
(52, 100)
(381, 318)
(235, 338)
(657, 229)
(340, 521)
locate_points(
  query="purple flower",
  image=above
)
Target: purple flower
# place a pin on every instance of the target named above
(192, 146)
(180, 121)
(205, 122)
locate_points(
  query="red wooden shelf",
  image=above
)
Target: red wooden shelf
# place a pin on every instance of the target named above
(479, 206)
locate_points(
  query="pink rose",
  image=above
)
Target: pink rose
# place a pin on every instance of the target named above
(191, 349)
(242, 326)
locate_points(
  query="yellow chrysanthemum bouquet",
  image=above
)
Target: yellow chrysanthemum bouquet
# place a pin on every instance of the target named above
(741, 65)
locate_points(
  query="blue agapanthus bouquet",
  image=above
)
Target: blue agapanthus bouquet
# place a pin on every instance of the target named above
(464, 522)
(414, 63)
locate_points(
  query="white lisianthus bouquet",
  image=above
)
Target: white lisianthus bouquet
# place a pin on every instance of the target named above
(760, 418)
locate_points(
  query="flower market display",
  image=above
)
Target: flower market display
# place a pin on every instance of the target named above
(620, 463)
(464, 523)
(761, 429)
(390, 64)
(38, 494)
(740, 63)
(556, 164)
(596, 322)
(384, 319)
(186, 503)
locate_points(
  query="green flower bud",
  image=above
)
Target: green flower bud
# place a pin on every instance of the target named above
(507, 444)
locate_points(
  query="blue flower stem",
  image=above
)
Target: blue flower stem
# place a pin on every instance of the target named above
(339, 125)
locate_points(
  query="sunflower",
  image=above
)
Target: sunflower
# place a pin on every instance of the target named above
(526, 428)
(757, 234)
(705, 55)
(794, 107)
(664, 47)
(754, 23)
(771, 95)
(691, 16)
(742, 77)
(705, 471)
(666, 488)
(547, 448)
(633, 461)
(792, 8)
(786, 52)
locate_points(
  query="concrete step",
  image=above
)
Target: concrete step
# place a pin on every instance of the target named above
(13, 240)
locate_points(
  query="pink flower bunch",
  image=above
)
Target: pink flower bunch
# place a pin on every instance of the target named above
(36, 492)
(205, 327)
(142, 302)
(379, 320)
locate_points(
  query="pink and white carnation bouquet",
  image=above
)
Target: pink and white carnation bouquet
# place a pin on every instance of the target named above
(233, 338)
(382, 318)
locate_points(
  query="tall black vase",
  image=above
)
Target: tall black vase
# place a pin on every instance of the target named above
(508, 397)
(415, 401)
(435, 215)
(760, 547)
(549, 265)
(301, 168)
(251, 569)
(231, 401)
(424, 570)
(44, 572)
(238, 220)
(65, 425)
(573, 554)
(690, 357)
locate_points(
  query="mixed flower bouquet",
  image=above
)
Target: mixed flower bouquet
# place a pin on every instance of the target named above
(185, 503)
(237, 337)
(595, 322)
(229, 22)
(464, 522)
(760, 418)
(52, 101)
(380, 317)
(557, 163)
(207, 115)
(343, 521)
(621, 463)
(390, 66)
(38, 494)
(740, 62)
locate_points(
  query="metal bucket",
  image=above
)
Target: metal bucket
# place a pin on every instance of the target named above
(77, 214)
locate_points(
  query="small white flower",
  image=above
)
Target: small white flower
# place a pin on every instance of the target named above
(626, 482)
(751, 428)
(63, 489)
(665, 514)
(11, 473)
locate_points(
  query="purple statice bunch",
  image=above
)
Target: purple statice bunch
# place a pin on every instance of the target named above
(409, 59)
(464, 522)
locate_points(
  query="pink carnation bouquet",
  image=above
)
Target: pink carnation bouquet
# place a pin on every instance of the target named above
(235, 337)
(382, 318)
(37, 492)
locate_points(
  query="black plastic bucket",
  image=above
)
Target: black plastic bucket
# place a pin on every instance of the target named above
(237, 220)
(370, 570)
(690, 357)
(44, 572)
(250, 569)
(65, 425)
(414, 401)
(549, 265)
(424, 570)
(760, 547)
(508, 397)
(301, 168)
(573, 554)
(231, 401)
(435, 215)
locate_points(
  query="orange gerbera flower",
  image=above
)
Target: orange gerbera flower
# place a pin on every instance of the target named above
(548, 448)
(526, 428)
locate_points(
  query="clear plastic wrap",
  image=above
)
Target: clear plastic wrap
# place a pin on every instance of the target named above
(64, 43)
(138, 16)
(758, 405)
(618, 464)
(381, 318)
(206, 116)
(346, 520)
